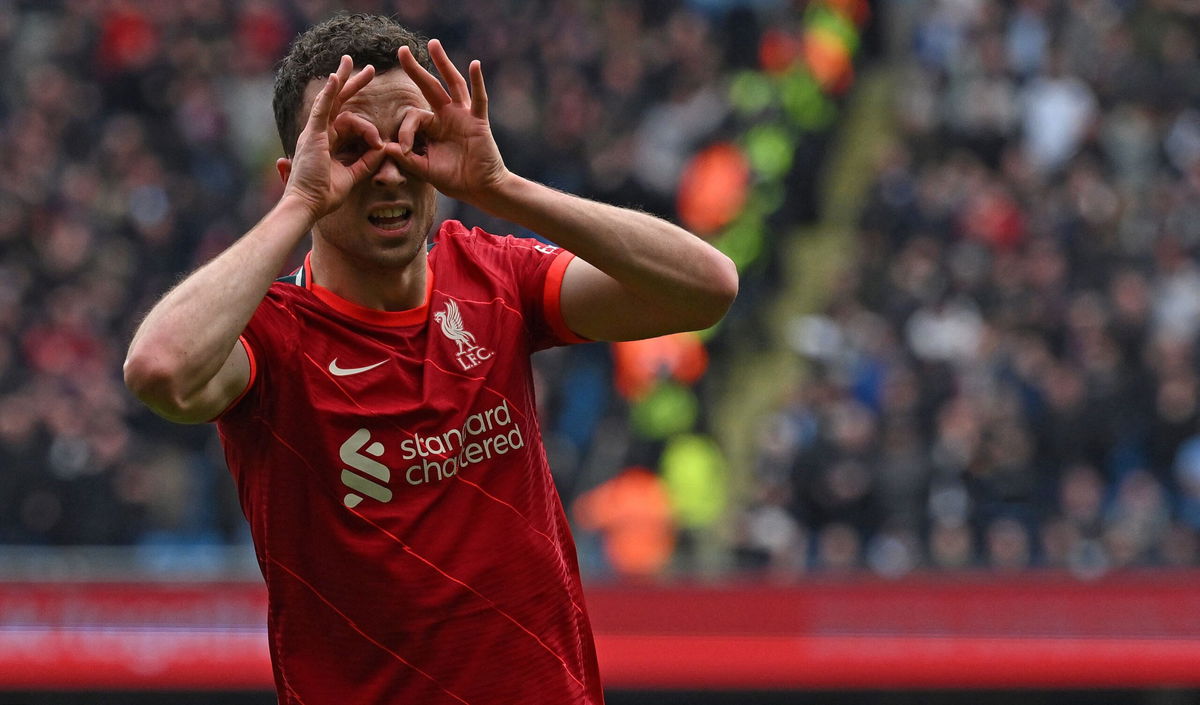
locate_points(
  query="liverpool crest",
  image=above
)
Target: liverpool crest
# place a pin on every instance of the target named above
(469, 353)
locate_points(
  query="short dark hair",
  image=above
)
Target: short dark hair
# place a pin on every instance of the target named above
(315, 53)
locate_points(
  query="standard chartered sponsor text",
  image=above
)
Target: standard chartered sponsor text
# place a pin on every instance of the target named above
(483, 436)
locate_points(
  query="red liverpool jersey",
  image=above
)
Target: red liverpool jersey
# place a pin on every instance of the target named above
(403, 513)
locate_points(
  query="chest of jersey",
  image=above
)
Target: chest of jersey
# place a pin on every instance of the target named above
(401, 410)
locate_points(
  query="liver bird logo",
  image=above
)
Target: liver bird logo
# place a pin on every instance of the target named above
(452, 327)
(470, 353)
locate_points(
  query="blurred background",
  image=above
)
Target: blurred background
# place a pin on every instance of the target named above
(953, 411)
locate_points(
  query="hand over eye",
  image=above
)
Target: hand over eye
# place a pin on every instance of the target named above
(450, 145)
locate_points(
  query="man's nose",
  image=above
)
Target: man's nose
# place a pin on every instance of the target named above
(389, 173)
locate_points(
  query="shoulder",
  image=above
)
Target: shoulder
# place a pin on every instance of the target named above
(456, 236)
(281, 306)
(522, 261)
(286, 292)
(467, 252)
(455, 241)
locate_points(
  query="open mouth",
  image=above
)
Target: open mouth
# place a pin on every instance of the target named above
(390, 218)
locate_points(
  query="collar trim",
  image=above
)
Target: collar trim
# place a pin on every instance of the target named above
(407, 317)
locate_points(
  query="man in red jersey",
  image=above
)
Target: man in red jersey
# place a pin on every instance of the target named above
(376, 406)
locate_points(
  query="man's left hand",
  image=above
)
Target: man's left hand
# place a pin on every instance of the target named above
(451, 145)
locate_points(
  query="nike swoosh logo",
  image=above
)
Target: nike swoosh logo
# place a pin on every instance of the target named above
(344, 371)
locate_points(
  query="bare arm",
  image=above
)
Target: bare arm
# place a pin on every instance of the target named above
(185, 361)
(637, 276)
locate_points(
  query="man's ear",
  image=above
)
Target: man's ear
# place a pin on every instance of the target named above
(284, 165)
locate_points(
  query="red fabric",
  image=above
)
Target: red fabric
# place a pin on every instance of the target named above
(404, 515)
(829, 59)
(778, 51)
(640, 364)
(713, 188)
(633, 510)
(263, 33)
(128, 40)
(994, 217)
(552, 299)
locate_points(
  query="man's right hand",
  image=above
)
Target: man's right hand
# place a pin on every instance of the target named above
(336, 149)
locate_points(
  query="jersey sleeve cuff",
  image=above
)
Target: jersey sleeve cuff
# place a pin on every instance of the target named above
(249, 383)
(552, 299)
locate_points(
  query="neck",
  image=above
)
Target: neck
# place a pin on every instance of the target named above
(379, 287)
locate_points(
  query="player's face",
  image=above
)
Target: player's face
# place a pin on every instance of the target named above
(385, 219)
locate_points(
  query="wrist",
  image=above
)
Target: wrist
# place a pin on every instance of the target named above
(505, 196)
(297, 211)
(294, 214)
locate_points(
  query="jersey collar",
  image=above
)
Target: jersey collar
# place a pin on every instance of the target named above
(304, 277)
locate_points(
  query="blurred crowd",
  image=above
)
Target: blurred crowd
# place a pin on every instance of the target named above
(137, 141)
(1007, 373)
(1004, 377)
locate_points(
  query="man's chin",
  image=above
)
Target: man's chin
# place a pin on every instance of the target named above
(376, 249)
(394, 252)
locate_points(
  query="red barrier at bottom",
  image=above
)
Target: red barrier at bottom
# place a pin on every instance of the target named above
(111, 659)
(124, 659)
(880, 662)
(1135, 631)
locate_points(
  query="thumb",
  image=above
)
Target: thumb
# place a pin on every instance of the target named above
(413, 127)
(367, 164)
(409, 161)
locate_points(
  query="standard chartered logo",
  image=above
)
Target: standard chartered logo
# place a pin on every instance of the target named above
(350, 455)
(432, 457)
(483, 436)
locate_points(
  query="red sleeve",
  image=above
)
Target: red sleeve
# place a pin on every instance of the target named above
(535, 270)
(266, 337)
(249, 383)
(552, 298)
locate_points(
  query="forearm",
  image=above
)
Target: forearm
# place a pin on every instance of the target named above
(186, 338)
(661, 264)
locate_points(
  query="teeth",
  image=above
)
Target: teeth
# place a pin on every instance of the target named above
(390, 213)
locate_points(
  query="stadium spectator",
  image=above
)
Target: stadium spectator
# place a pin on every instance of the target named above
(1021, 336)
(1066, 262)
(137, 143)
